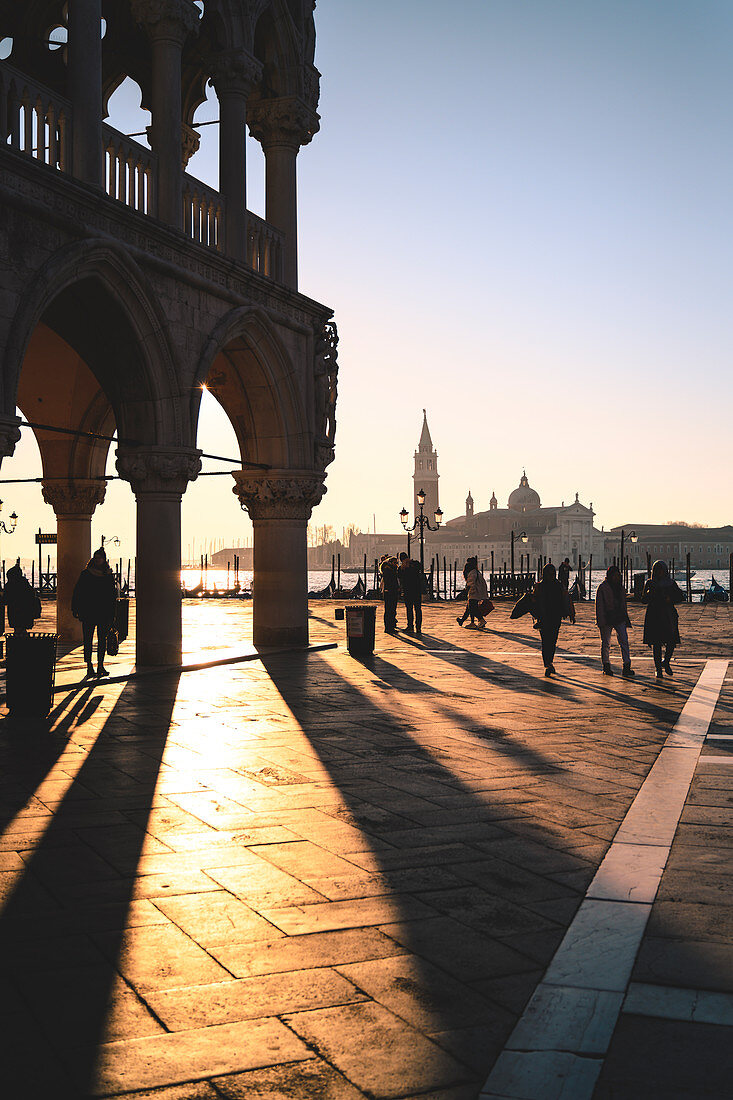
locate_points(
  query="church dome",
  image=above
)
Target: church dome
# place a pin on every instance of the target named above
(524, 498)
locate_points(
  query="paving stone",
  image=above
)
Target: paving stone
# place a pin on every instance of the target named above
(294, 953)
(466, 953)
(698, 964)
(359, 913)
(161, 957)
(297, 1081)
(377, 1051)
(216, 919)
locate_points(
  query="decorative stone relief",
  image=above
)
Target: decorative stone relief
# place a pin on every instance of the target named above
(158, 469)
(326, 391)
(279, 494)
(77, 497)
(190, 141)
(234, 70)
(9, 435)
(160, 14)
(283, 121)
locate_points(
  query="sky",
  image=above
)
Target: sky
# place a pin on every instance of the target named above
(520, 212)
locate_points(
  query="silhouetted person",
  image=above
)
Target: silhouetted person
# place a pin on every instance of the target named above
(612, 614)
(552, 604)
(563, 573)
(476, 591)
(22, 605)
(390, 591)
(661, 622)
(94, 602)
(410, 577)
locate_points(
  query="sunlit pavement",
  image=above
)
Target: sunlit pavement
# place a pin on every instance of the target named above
(311, 876)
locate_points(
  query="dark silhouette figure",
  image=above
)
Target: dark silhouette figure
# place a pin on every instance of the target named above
(391, 591)
(661, 622)
(552, 604)
(612, 614)
(563, 573)
(94, 603)
(22, 605)
(410, 577)
(476, 591)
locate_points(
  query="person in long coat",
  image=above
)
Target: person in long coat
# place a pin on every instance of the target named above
(391, 592)
(410, 577)
(661, 621)
(94, 602)
(612, 614)
(552, 604)
(476, 591)
(22, 605)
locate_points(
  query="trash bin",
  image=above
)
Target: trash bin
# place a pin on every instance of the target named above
(30, 667)
(122, 618)
(360, 622)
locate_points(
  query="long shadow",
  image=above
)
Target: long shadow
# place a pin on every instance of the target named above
(62, 926)
(457, 908)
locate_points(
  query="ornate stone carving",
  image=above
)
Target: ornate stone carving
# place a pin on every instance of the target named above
(283, 121)
(158, 469)
(326, 391)
(165, 14)
(75, 497)
(190, 141)
(234, 70)
(279, 494)
(9, 435)
(311, 86)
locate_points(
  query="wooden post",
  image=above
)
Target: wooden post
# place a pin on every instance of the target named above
(365, 576)
(648, 563)
(688, 578)
(730, 575)
(338, 582)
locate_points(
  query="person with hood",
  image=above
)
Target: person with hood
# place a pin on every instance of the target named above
(390, 585)
(94, 603)
(552, 604)
(22, 605)
(476, 591)
(612, 614)
(661, 621)
(410, 577)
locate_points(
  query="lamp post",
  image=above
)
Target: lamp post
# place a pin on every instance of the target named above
(633, 537)
(13, 519)
(421, 524)
(520, 537)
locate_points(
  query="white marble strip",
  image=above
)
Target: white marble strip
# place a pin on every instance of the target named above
(672, 1003)
(719, 737)
(557, 1048)
(716, 759)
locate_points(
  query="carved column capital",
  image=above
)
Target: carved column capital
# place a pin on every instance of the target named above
(283, 121)
(279, 494)
(75, 497)
(9, 434)
(190, 141)
(166, 18)
(234, 71)
(325, 373)
(158, 469)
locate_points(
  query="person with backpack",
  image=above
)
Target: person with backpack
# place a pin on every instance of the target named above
(551, 604)
(22, 605)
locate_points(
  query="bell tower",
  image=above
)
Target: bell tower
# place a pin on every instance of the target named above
(426, 472)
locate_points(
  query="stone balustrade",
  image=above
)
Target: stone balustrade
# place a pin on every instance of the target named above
(35, 119)
(130, 171)
(203, 213)
(265, 246)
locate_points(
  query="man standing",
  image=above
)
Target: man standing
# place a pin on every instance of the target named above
(563, 573)
(411, 583)
(390, 591)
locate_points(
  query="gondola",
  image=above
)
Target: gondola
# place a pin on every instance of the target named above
(715, 593)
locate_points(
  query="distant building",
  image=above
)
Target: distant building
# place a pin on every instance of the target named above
(708, 547)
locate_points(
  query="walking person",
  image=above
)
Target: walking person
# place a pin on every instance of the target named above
(661, 621)
(563, 573)
(94, 603)
(410, 577)
(390, 584)
(552, 604)
(476, 591)
(22, 604)
(612, 614)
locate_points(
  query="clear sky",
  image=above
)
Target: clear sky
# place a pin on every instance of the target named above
(520, 211)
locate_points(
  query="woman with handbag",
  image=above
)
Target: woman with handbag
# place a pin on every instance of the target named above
(552, 604)
(94, 603)
(661, 622)
(476, 593)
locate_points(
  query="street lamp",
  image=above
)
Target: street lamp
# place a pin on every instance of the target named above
(633, 537)
(521, 537)
(13, 522)
(421, 523)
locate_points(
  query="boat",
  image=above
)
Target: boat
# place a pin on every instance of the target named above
(714, 594)
(681, 574)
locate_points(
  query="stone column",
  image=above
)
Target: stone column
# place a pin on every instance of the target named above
(280, 504)
(159, 476)
(234, 74)
(282, 126)
(74, 502)
(85, 89)
(168, 23)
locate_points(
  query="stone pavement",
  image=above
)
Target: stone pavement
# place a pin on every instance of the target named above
(310, 876)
